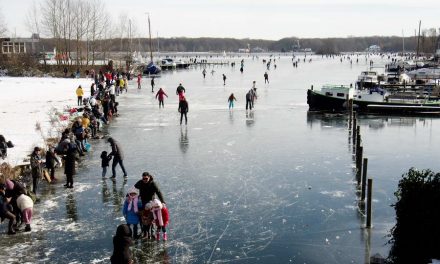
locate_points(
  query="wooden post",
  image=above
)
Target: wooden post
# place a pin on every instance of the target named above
(358, 137)
(359, 154)
(354, 129)
(350, 112)
(369, 207)
(364, 178)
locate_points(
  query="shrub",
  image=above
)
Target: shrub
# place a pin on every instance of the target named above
(416, 236)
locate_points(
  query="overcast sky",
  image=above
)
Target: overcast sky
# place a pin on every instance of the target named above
(268, 19)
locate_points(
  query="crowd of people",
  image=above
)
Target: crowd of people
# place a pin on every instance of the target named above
(144, 206)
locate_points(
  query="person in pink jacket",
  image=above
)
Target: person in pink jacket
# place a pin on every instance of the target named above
(160, 95)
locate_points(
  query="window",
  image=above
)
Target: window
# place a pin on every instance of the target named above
(7, 47)
(340, 95)
(329, 94)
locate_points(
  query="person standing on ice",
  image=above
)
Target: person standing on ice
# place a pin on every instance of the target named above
(69, 164)
(79, 94)
(231, 100)
(249, 100)
(204, 73)
(180, 91)
(36, 162)
(131, 210)
(118, 157)
(224, 79)
(139, 80)
(183, 110)
(152, 84)
(160, 95)
(148, 188)
(266, 77)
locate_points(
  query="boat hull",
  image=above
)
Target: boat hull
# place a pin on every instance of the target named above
(320, 102)
(152, 68)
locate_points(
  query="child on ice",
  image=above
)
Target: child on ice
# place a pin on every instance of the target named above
(132, 207)
(147, 220)
(26, 205)
(105, 162)
(161, 218)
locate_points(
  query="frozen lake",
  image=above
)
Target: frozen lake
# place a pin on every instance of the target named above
(275, 185)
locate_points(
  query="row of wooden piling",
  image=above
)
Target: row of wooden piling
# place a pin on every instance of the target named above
(361, 162)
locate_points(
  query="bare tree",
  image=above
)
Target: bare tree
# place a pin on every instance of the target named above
(3, 28)
(32, 21)
(122, 27)
(97, 26)
(51, 22)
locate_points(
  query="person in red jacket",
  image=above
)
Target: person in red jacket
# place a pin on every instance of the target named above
(139, 80)
(159, 95)
(161, 218)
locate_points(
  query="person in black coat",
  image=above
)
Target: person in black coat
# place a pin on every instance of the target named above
(36, 162)
(69, 166)
(118, 157)
(6, 210)
(148, 188)
(121, 245)
(51, 160)
(183, 110)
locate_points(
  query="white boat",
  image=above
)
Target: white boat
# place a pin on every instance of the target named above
(367, 79)
(373, 100)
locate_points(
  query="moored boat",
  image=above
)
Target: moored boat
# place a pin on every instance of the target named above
(334, 98)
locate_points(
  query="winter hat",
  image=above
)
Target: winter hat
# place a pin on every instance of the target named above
(9, 184)
(133, 190)
(133, 201)
(156, 203)
(149, 205)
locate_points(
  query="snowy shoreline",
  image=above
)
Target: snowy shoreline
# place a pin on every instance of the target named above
(26, 101)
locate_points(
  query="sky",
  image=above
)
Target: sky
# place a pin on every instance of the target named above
(258, 19)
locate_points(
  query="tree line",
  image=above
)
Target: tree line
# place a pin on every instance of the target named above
(83, 31)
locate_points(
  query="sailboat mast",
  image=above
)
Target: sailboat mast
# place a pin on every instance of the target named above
(149, 32)
(418, 39)
(403, 44)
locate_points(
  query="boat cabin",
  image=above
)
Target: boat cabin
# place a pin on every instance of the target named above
(338, 91)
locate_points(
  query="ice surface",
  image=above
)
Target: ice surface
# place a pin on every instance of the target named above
(272, 186)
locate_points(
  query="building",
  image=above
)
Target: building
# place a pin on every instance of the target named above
(373, 48)
(20, 45)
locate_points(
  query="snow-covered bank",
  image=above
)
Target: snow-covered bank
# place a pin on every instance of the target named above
(24, 101)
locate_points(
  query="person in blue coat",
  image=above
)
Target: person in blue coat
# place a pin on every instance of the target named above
(132, 209)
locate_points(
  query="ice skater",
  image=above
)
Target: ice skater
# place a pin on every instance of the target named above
(204, 73)
(160, 95)
(224, 79)
(231, 100)
(183, 110)
(139, 80)
(249, 100)
(180, 91)
(152, 84)
(266, 77)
